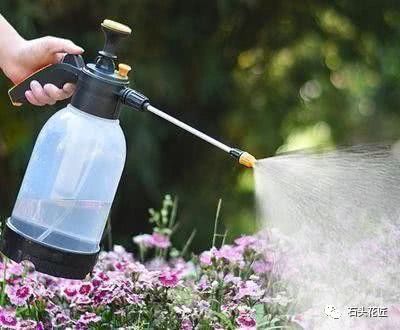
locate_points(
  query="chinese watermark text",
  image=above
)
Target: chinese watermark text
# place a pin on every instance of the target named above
(370, 311)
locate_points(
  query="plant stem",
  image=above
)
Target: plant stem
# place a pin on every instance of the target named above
(188, 242)
(224, 238)
(29, 309)
(36, 310)
(3, 284)
(109, 235)
(172, 218)
(216, 221)
(141, 253)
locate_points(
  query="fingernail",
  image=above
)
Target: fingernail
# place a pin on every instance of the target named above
(34, 83)
(80, 49)
(28, 96)
(68, 88)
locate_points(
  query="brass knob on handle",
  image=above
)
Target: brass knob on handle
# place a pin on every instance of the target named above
(115, 26)
(123, 69)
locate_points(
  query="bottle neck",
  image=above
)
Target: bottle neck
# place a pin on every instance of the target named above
(98, 96)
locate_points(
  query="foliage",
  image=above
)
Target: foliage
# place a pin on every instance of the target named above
(232, 287)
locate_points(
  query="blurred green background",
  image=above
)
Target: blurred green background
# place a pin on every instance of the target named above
(265, 76)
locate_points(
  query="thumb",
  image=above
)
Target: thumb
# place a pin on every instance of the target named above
(58, 45)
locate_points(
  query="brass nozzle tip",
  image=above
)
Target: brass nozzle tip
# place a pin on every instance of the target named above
(247, 160)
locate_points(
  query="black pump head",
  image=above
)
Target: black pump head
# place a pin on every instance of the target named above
(100, 83)
(113, 33)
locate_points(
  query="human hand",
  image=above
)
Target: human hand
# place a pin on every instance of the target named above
(28, 56)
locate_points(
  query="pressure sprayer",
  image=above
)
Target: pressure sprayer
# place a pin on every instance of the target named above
(73, 173)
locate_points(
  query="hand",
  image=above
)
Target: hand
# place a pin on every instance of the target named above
(27, 56)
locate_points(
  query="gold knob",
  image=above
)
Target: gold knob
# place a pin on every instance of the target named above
(118, 27)
(123, 69)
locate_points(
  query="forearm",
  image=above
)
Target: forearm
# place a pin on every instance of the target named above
(9, 38)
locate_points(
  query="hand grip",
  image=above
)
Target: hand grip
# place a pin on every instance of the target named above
(58, 74)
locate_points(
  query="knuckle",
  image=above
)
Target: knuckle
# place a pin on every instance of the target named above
(41, 97)
(48, 42)
(59, 96)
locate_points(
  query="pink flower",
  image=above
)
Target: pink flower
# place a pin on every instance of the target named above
(157, 264)
(104, 297)
(27, 325)
(205, 258)
(96, 282)
(144, 240)
(203, 283)
(229, 307)
(245, 241)
(119, 252)
(186, 324)
(89, 318)
(147, 280)
(229, 278)
(229, 253)
(260, 246)
(103, 276)
(120, 266)
(246, 322)
(82, 300)
(136, 267)
(85, 289)
(168, 279)
(70, 292)
(182, 267)
(203, 306)
(39, 326)
(15, 269)
(52, 308)
(249, 289)
(60, 320)
(8, 319)
(133, 298)
(42, 291)
(262, 266)
(160, 241)
(18, 294)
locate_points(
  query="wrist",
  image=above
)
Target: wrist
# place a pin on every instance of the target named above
(10, 49)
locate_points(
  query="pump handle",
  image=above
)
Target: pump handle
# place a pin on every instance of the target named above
(58, 74)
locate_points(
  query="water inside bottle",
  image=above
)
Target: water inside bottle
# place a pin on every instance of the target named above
(73, 225)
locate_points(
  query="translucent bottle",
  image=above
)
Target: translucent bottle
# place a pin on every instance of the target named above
(70, 182)
(62, 207)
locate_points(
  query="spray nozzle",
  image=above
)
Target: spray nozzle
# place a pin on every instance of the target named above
(243, 157)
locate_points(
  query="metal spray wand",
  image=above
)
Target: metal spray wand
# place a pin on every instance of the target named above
(140, 102)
